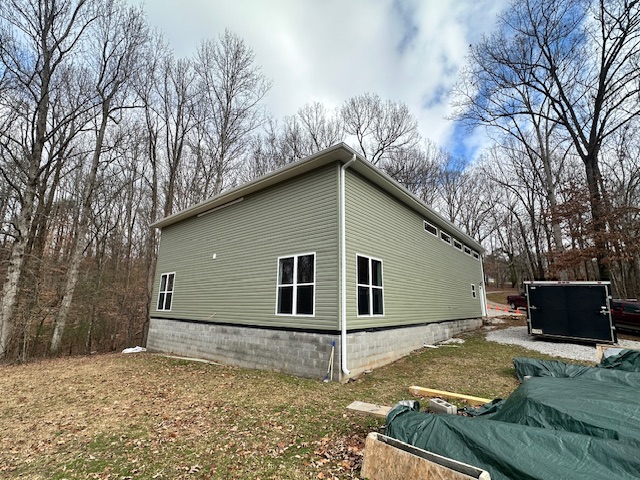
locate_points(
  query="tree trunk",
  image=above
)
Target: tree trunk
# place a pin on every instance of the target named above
(597, 215)
(151, 258)
(556, 228)
(14, 272)
(79, 243)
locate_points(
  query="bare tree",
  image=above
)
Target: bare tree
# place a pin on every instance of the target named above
(322, 128)
(531, 126)
(579, 57)
(37, 38)
(379, 127)
(177, 113)
(465, 196)
(509, 170)
(232, 87)
(120, 33)
(418, 169)
(147, 84)
(267, 151)
(621, 181)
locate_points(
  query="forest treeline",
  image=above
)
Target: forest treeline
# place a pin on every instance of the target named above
(103, 130)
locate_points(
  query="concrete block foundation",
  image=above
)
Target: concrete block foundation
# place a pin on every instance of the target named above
(305, 354)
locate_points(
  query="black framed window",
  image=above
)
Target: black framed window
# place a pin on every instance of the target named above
(296, 285)
(165, 294)
(370, 289)
(432, 229)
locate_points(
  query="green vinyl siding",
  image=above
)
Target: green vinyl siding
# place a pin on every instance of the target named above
(425, 279)
(239, 286)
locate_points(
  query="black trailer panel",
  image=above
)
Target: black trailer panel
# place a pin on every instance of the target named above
(571, 310)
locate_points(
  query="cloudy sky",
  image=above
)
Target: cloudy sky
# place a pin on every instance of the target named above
(330, 50)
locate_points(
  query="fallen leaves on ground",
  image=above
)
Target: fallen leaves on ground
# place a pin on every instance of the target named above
(338, 457)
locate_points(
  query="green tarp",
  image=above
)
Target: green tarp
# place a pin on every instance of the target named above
(568, 422)
(627, 361)
(623, 369)
(513, 451)
(575, 405)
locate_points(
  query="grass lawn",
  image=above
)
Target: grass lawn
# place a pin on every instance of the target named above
(500, 295)
(150, 417)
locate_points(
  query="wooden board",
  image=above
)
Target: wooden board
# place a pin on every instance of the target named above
(386, 458)
(430, 392)
(600, 348)
(369, 408)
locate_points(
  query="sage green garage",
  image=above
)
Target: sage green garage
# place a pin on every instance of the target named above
(268, 256)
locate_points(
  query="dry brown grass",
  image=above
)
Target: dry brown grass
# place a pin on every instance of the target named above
(147, 416)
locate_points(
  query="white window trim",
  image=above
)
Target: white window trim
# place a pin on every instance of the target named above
(442, 232)
(160, 292)
(474, 293)
(431, 225)
(295, 285)
(467, 250)
(371, 286)
(459, 244)
(475, 255)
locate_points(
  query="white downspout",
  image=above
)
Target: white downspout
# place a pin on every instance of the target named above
(343, 269)
(484, 289)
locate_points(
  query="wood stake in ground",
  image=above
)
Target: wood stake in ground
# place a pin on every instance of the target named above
(430, 392)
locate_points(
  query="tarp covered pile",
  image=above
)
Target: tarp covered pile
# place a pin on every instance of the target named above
(565, 422)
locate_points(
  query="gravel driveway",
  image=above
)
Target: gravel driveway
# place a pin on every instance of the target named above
(519, 336)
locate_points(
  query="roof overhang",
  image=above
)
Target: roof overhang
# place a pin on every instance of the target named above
(337, 153)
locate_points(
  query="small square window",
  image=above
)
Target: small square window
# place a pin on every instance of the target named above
(457, 244)
(476, 255)
(446, 238)
(467, 250)
(432, 229)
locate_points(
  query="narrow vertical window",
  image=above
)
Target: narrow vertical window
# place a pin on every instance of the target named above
(473, 291)
(165, 294)
(369, 286)
(296, 285)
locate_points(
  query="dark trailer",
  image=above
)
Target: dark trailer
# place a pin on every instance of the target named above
(570, 310)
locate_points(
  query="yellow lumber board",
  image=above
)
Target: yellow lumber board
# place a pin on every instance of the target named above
(369, 408)
(430, 392)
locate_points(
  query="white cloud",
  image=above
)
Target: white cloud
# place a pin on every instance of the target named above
(328, 51)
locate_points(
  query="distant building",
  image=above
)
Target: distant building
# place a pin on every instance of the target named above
(327, 249)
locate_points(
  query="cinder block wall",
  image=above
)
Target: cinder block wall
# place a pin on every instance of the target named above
(299, 353)
(369, 350)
